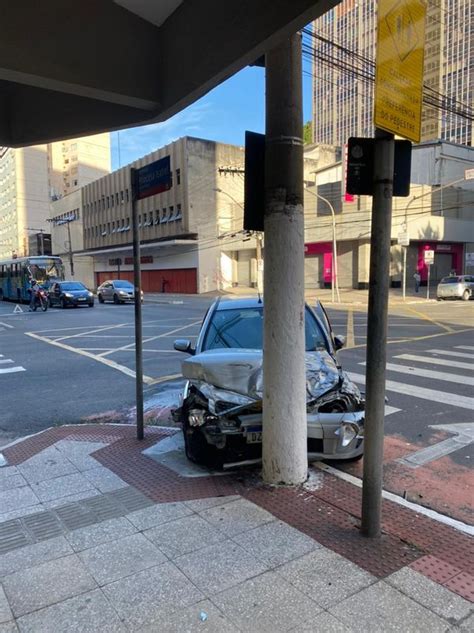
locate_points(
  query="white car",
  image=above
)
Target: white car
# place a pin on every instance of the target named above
(456, 287)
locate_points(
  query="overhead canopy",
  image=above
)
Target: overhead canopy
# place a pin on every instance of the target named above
(69, 69)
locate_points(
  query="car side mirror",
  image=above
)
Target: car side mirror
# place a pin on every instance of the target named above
(184, 345)
(339, 341)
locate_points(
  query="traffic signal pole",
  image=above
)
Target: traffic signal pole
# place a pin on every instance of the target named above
(284, 394)
(377, 332)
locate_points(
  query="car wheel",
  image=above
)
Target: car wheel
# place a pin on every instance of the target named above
(63, 303)
(116, 300)
(465, 295)
(100, 298)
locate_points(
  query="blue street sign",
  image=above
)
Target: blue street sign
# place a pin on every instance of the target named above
(153, 178)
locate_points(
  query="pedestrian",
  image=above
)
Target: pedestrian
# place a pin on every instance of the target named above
(33, 290)
(417, 278)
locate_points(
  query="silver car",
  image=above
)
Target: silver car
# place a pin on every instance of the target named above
(116, 290)
(456, 287)
(221, 409)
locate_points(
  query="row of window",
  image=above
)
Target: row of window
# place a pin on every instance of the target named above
(70, 216)
(148, 219)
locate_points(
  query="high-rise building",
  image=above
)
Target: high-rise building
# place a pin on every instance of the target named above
(31, 177)
(345, 40)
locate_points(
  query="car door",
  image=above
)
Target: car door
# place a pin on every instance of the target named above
(106, 291)
(55, 293)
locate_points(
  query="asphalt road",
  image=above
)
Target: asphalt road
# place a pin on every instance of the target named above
(74, 365)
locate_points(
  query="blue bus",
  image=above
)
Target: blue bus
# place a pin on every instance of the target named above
(15, 275)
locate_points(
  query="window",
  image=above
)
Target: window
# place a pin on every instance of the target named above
(126, 195)
(157, 216)
(75, 183)
(121, 197)
(171, 214)
(116, 198)
(108, 202)
(145, 221)
(164, 216)
(178, 176)
(179, 214)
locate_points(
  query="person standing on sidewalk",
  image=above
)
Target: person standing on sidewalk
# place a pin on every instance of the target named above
(417, 278)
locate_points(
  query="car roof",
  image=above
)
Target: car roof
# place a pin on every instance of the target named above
(239, 303)
(69, 281)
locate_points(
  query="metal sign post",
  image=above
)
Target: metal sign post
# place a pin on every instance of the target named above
(428, 283)
(404, 242)
(146, 181)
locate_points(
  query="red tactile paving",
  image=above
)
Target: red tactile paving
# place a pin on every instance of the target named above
(462, 584)
(330, 514)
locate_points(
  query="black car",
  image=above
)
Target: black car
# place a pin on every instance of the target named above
(70, 293)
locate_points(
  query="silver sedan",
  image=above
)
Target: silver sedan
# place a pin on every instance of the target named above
(116, 290)
(456, 287)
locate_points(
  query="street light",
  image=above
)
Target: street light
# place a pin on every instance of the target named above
(467, 176)
(258, 238)
(335, 280)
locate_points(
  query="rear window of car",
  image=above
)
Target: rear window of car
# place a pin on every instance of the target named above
(451, 280)
(243, 329)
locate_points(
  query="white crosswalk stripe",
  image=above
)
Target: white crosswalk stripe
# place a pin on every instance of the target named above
(455, 364)
(471, 347)
(449, 353)
(432, 395)
(11, 370)
(5, 360)
(428, 373)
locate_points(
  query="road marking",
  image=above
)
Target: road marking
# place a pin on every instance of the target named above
(432, 514)
(151, 338)
(6, 360)
(436, 361)
(452, 399)
(389, 410)
(427, 318)
(156, 381)
(11, 370)
(6, 325)
(105, 361)
(464, 347)
(350, 342)
(449, 353)
(87, 332)
(463, 436)
(428, 373)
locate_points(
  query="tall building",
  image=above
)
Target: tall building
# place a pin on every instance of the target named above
(31, 177)
(343, 102)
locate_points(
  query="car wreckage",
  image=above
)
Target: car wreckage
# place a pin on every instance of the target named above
(221, 407)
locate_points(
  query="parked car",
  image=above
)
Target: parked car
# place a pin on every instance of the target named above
(221, 405)
(116, 290)
(70, 293)
(456, 287)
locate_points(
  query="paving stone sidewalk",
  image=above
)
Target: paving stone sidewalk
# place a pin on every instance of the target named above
(100, 532)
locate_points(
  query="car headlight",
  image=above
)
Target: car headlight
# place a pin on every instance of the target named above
(196, 417)
(68, 295)
(90, 294)
(347, 432)
(122, 292)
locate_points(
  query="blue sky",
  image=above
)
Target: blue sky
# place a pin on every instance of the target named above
(223, 115)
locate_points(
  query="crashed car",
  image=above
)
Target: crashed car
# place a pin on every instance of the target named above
(221, 408)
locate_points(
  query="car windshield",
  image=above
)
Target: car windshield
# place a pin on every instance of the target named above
(243, 328)
(450, 280)
(123, 284)
(73, 285)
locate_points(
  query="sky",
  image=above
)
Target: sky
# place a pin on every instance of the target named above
(222, 115)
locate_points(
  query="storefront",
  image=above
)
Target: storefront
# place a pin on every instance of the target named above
(448, 257)
(318, 265)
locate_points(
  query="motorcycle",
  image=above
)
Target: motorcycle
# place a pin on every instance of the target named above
(41, 300)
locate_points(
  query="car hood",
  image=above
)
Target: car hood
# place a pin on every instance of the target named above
(224, 373)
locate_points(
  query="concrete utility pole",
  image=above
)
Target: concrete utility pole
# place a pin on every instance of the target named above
(377, 332)
(284, 400)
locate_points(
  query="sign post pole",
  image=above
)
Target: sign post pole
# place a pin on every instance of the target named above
(404, 271)
(428, 283)
(138, 311)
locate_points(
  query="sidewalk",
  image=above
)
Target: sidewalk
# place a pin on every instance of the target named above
(96, 535)
(348, 296)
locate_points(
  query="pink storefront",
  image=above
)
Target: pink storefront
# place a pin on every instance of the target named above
(322, 250)
(448, 257)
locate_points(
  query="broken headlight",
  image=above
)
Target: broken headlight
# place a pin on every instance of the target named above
(347, 432)
(196, 417)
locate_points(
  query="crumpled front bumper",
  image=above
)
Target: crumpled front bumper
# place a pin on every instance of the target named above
(326, 439)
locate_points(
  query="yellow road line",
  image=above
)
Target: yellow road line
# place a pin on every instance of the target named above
(350, 342)
(156, 381)
(148, 380)
(427, 318)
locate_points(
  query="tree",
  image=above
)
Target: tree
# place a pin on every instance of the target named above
(308, 132)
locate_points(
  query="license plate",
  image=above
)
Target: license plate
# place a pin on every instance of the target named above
(82, 298)
(254, 437)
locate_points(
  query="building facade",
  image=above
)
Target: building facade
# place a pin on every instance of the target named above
(344, 40)
(33, 177)
(437, 215)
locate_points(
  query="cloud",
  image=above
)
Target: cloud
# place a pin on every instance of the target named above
(139, 141)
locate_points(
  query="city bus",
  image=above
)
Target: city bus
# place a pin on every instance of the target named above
(15, 275)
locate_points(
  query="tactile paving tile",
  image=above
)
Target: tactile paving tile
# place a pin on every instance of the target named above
(103, 508)
(42, 525)
(130, 498)
(434, 568)
(462, 584)
(74, 516)
(12, 536)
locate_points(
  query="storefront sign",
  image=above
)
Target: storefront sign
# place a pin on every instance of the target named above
(144, 259)
(153, 178)
(428, 257)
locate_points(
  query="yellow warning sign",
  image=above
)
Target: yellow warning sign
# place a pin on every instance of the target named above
(399, 68)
